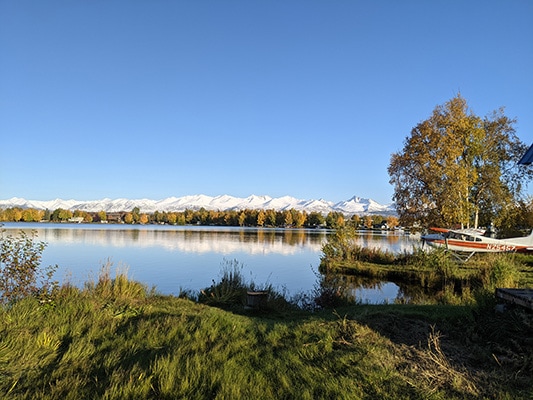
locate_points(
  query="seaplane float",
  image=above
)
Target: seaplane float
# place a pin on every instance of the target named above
(464, 243)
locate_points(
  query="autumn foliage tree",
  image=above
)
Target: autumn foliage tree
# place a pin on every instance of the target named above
(268, 218)
(457, 168)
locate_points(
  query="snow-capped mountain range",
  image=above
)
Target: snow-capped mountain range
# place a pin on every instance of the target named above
(355, 205)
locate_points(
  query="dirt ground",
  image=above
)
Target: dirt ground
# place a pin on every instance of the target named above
(475, 357)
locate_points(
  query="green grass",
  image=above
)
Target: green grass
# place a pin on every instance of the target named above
(439, 273)
(437, 270)
(114, 339)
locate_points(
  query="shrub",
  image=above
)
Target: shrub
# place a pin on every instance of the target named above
(21, 274)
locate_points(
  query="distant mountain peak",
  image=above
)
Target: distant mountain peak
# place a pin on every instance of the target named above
(354, 205)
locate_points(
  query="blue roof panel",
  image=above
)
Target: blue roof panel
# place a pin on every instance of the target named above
(528, 157)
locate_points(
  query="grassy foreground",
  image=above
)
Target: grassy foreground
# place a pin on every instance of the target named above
(116, 340)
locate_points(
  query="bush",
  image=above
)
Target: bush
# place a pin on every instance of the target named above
(21, 274)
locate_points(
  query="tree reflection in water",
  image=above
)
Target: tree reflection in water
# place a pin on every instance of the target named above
(172, 258)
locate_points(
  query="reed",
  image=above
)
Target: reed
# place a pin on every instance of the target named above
(116, 289)
(230, 289)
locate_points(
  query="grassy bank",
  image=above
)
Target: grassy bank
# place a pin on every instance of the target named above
(442, 277)
(440, 273)
(114, 339)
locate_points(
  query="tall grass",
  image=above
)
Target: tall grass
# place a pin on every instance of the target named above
(176, 348)
(115, 339)
(116, 288)
(231, 290)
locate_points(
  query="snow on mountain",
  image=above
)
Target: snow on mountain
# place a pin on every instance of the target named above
(282, 203)
(253, 202)
(355, 205)
(321, 206)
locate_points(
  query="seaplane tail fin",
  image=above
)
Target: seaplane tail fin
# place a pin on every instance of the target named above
(525, 240)
(530, 241)
(440, 230)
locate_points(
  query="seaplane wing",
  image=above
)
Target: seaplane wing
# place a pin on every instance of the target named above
(476, 241)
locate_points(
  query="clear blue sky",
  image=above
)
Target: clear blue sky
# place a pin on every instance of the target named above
(152, 99)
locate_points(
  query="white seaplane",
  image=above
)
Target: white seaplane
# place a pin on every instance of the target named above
(470, 241)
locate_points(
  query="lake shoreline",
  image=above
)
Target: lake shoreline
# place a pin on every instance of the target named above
(176, 258)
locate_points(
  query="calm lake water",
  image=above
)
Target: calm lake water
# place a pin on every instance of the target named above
(175, 258)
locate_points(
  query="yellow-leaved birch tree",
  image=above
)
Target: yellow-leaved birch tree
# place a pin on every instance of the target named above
(457, 168)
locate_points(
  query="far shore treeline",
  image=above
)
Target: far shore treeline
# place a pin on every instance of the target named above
(247, 217)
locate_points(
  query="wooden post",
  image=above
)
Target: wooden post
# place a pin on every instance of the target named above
(256, 299)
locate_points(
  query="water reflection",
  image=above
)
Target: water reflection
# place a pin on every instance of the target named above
(391, 241)
(375, 291)
(202, 239)
(191, 240)
(174, 258)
